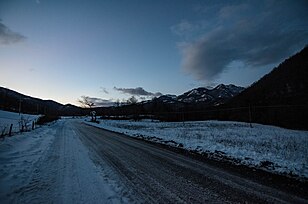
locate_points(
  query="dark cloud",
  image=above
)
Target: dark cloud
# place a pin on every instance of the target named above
(139, 91)
(255, 34)
(7, 36)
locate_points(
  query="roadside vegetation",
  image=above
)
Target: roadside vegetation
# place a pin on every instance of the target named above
(47, 119)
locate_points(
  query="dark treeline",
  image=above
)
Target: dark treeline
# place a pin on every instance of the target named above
(293, 117)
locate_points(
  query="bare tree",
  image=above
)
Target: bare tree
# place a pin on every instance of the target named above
(117, 103)
(86, 102)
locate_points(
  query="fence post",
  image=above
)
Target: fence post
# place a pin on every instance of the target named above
(10, 132)
(32, 125)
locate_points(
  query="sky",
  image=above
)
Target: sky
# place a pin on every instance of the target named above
(109, 49)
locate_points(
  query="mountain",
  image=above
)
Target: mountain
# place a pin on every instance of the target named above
(286, 84)
(13, 101)
(168, 98)
(214, 96)
(196, 95)
(280, 97)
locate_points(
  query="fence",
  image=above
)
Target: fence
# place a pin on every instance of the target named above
(14, 124)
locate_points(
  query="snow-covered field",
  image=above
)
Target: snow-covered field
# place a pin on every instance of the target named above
(8, 118)
(266, 147)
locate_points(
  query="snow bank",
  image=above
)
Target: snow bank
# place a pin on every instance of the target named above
(18, 157)
(267, 147)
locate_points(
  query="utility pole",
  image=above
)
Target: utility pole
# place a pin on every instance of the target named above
(19, 106)
(250, 118)
(183, 116)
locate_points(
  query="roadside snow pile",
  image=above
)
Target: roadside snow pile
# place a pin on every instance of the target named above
(266, 147)
(23, 121)
(18, 158)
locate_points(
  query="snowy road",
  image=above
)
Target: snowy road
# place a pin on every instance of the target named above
(156, 175)
(51, 165)
(71, 162)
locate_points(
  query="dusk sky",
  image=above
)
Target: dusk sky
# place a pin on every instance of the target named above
(61, 49)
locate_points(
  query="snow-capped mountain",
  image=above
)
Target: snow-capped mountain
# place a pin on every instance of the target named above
(226, 91)
(218, 94)
(214, 96)
(168, 98)
(196, 95)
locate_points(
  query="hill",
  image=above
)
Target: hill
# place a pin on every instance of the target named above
(13, 101)
(280, 97)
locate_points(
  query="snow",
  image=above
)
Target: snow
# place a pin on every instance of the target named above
(193, 92)
(8, 118)
(18, 156)
(267, 147)
(51, 165)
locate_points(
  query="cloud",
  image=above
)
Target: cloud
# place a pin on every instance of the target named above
(139, 91)
(99, 102)
(255, 34)
(9, 37)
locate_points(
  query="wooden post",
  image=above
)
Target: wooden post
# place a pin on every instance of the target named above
(22, 126)
(10, 132)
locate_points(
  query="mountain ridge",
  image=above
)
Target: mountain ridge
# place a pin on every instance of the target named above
(216, 95)
(12, 100)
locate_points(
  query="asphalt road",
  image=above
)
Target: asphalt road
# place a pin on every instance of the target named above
(157, 175)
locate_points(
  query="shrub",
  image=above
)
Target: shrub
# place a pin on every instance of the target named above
(47, 119)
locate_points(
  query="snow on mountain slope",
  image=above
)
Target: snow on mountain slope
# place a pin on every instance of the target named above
(206, 95)
(220, 92)
(167, 98)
